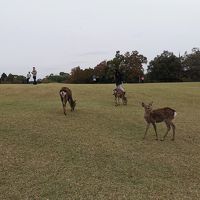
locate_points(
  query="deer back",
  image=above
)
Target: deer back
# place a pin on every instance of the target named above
(119, 93)
(162, 114)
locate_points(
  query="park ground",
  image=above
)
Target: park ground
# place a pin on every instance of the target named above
(97, 152)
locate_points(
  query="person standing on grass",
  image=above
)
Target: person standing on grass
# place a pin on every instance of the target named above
(34, 72)
(28, 76)
(118, 80)
(142, 79)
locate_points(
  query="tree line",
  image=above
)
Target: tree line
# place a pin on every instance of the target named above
(166, 67)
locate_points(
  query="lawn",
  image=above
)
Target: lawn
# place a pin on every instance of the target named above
(97, 151)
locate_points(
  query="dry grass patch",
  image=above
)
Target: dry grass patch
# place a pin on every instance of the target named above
(97, 152)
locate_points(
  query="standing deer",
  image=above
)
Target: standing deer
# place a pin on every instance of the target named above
(119, 94)
(66, 96)
(159, 115)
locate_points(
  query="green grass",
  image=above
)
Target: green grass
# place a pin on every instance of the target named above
(97, 152)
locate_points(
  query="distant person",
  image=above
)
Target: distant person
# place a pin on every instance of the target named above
(142, 79)
(119, 80)
(94, 79)
(28, 76)
(34, 72)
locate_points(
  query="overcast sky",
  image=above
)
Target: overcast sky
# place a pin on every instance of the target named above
(57, 35)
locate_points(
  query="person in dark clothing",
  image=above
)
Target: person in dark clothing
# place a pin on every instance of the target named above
(118, 80)
(28, 76)
(34, 72)
(142, 79)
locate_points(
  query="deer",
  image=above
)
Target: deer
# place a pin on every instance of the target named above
(66, 96)
(159, 115)
(119, 94)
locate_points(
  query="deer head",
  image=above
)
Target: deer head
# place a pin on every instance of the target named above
(63, 94)
(148, 107)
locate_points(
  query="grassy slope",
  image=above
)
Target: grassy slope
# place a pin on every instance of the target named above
(97, 152)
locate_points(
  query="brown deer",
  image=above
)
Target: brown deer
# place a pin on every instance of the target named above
(159, 115)
(66, 96)
(119, 94)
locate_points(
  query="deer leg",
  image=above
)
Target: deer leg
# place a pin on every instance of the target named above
(124, 100)
(147, 127)
(64, 107)
(173, 128)
(64, 110)
(115, 101)
(168, 129)
(154, 126)
(118, 101)
(70, 103)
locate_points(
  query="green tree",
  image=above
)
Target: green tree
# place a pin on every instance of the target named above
(101, 72)
(133, 66)
(165, 68)
(3, 78)
(61, 78)
(79, 75)
(87, 75)
(191, 65)
(76, 75)
(10, 78)
(130, 64)
(19, 79)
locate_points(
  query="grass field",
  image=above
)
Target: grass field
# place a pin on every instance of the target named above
(97, 152)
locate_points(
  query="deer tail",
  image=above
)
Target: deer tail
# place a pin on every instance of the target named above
(175, 113)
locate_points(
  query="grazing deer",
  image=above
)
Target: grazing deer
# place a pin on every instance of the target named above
(119, 94)
(159, 115)
(66, 96)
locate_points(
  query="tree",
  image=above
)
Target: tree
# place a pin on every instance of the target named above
(76, 75)
(87, 75)
(61, 78)
(165, 68)
(79, 75)
(19, 79)
(10, 78)
(130, 64)
(133, 66)
(101, 72)
(3, 77)
(191, 65)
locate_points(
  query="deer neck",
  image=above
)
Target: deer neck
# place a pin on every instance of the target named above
(147, 114)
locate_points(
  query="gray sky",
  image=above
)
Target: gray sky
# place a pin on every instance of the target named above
(57, 35)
